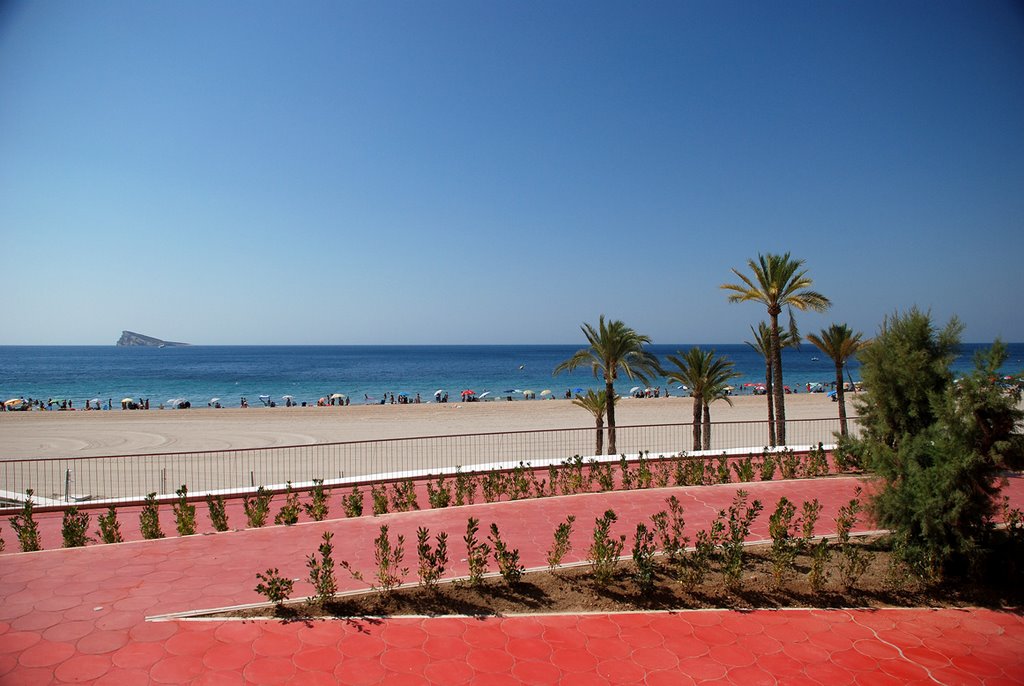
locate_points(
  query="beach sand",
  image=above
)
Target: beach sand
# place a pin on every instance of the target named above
(96, 433)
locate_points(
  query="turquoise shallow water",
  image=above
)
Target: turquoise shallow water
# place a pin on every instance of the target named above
(199, 373)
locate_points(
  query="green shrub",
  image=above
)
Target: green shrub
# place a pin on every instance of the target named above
(506, 559)
(321, 571)
(643, 558)
(149, 518)
(110, 528)
(274, 587)
(25, 526)
(605, 549)
(477, 552)
(785, 544)
(289, 512)
(184, 513)
(257, 509)
(739, 517)
(352, 503)
(561, 545)
(218, 512)
(74, 528)
(388, 557)
(669, 526)
(318, 507)
(465, 487)
(853, 563)
(379, 494)
(433, 560)
(439, 495)
(818, 575)
(766, 466)
(744, 469)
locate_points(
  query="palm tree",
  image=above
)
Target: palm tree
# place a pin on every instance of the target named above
(840, 343)
(705, 375)
(596, 404)
(716, 388)
(763, 346)
(777, 281)
(613, 346)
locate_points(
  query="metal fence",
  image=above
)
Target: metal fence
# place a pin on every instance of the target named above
(57, 481)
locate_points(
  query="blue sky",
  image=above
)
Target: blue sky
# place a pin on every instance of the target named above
(479, 172)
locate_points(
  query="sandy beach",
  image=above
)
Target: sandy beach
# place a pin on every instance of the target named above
(74, 434)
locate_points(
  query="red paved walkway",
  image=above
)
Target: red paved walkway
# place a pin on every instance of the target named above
(79, 616)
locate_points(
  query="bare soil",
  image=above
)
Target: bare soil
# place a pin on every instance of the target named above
(573, 590)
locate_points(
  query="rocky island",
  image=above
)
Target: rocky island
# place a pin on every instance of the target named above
(132, 339)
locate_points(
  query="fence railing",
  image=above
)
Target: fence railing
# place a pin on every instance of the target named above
(57, 481)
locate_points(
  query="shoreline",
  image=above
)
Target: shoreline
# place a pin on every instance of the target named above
(29, 435)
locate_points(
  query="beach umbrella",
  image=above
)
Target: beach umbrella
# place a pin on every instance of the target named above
(485, 394)
(214, 400)
(468, 392)
(546, 391)
(287, 397)
(403, 394)
(338, 396)
(127, 400)
(528, 393)
(634, 389)
(577, 390)
(14, 402)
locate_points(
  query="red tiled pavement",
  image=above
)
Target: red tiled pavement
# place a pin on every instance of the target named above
(78, 615)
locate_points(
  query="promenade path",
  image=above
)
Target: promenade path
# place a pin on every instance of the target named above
(80, 615)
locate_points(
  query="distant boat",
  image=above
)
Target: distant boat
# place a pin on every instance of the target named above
(814, 359)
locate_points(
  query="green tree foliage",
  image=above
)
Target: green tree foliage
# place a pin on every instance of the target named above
(777, 281)
(613, 347)
(937, 446)
(596, 404)
(840, 343)
(706, 375)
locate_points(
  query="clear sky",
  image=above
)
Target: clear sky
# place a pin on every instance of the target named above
(484, 172)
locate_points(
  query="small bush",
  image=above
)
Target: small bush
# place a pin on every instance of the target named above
(257, 509)
(318, 507)
(603, 474)
(3, 543)
(321, 571)
(852, 561)
(519, 483)
(465, 487)
(110, 528)
(439, 495)
(25, 526)
(477, 552)
(739, 517)
(785, 543)
(561, 545)
(289, 513)
(744, 469)
(766, 466)
(403, 496)
(74, 529)
(818, 574)
(274, 587)
(669, 526)
(722, 474)
(352, 503)
(184, 513)
(644, 475)
(507, 560)
(433, 560)
(218, 512)
(705, 552)
(808, 519)
(643, 558)
(817, 462)
(388, 558)
(662, 471)
(789, 463)
(149, 518)
(605, 550)
(493, 486)
(379, 493)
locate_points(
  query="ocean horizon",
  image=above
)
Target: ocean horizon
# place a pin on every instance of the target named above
(364, 373)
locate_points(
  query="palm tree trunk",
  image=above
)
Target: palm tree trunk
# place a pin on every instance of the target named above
(768, 386)
(696, 422)
(599, 445)
(609, 390)
(780, 401)
(707, 427)
(841, 399)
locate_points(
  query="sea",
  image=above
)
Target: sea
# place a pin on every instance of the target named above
(203, 375)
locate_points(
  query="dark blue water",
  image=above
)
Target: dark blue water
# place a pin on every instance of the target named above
(199, 373)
